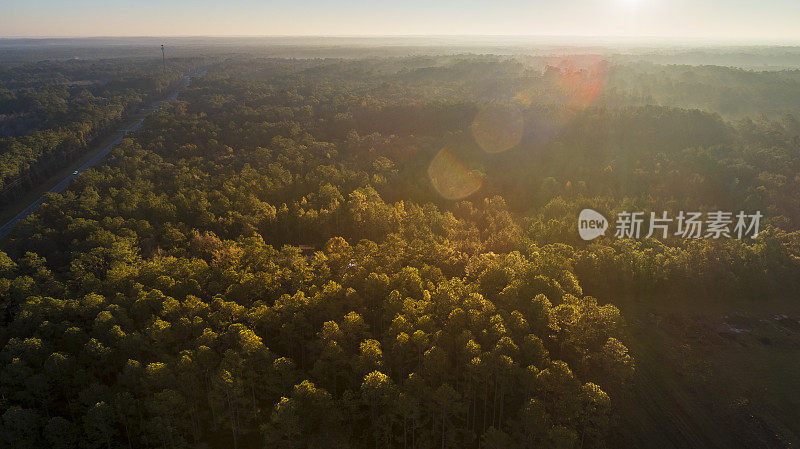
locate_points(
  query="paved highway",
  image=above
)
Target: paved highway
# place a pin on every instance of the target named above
(64, 183)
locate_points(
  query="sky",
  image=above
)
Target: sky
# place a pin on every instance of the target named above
(763, 21)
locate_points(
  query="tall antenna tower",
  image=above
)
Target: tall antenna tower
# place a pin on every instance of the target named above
(163, 57)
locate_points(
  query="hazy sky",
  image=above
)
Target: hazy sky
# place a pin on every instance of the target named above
(740, 20)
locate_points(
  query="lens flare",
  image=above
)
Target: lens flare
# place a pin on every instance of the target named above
(497, 128)
(581, 78)
(574, 81)
(451, 178)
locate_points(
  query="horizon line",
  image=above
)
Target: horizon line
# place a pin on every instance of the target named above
(707, 39)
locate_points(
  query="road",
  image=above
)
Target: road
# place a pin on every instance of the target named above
(64, 183)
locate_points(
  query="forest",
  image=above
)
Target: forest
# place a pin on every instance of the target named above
(51, 112)
(383, 251)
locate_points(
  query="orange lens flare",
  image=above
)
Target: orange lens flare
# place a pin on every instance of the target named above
(451, 178)
(582, 78)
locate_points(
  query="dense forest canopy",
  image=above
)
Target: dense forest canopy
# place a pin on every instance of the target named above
(52, 112)
(382, 252)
